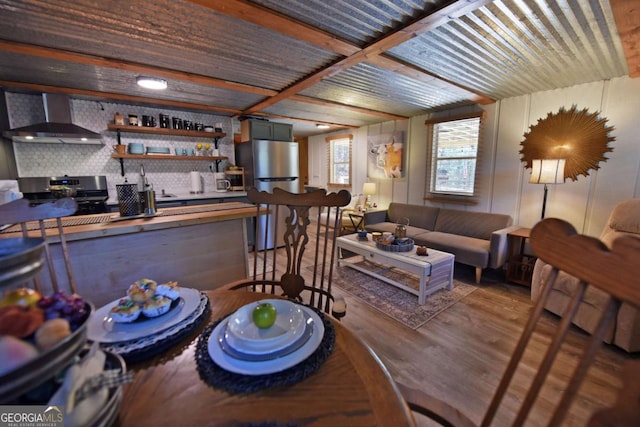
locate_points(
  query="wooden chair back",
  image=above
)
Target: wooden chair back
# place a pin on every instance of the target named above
(615, 272)
(30, 221)
(283, 260)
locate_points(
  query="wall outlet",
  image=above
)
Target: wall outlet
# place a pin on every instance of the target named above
(212, 167)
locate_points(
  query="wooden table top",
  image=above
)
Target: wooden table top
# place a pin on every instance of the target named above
(351, 388)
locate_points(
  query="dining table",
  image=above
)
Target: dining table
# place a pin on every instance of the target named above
(351, 386)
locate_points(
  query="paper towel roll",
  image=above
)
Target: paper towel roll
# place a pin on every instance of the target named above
(196, 182)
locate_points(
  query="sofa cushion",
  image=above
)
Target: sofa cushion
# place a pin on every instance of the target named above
(419, 216)
(622, 221)
(626, 217)
(468, 250)
(472, 224)
(381, 227)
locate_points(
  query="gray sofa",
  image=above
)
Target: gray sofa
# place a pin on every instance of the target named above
(478, 239)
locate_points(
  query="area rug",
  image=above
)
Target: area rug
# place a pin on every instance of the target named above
(394, 302)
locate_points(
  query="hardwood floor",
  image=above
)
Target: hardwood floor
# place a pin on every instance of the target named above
(459, 356)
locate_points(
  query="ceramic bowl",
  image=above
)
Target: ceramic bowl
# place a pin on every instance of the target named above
(246, 336)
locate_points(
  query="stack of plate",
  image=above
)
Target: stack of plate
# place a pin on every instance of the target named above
(238, 345)
(145, 333)
(158, 150)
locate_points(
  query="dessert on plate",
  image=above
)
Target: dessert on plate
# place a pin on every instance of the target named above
(141, 290)
(126, 311)
(156, 306)
(169, 290)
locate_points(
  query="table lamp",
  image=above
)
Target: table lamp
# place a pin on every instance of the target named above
(547, 171)
(368, 189)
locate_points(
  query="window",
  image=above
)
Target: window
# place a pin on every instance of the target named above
(339, 160)
(454, 155)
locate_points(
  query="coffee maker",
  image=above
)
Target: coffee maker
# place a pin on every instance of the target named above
(222, 184)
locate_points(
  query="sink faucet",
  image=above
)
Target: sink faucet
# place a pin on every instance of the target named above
(142, 179)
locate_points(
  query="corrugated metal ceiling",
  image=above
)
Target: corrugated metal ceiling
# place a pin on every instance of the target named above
(312, 60)
(510, 48)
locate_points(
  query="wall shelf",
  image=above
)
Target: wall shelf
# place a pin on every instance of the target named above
(167, 157)
(166, 132)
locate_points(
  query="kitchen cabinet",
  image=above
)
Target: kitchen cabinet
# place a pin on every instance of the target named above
(262, 129)
(164, 131)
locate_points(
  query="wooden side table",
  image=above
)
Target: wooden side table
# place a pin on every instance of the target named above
(520, 264)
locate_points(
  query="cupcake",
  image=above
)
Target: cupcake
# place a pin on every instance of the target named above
(169, 290)
(156, 306)
(126, 311)
(142, 290)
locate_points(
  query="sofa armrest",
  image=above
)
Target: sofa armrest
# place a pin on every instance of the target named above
(374, 217)
(499, 246)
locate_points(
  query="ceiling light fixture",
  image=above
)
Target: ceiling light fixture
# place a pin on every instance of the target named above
(322, 126)
(151, 82)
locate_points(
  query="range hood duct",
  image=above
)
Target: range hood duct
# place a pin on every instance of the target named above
(58, 127)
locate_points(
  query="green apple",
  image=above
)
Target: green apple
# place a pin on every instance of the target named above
(264, 315)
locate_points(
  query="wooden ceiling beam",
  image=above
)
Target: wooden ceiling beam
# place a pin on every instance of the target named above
(331, 104)
(164, 102)
(428, 22)
(63, 55)
(280, 23)
(332, 124)
(627, 16)
(116, 96)
(57, 54)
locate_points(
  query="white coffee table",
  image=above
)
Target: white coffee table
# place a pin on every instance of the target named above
(435, 270)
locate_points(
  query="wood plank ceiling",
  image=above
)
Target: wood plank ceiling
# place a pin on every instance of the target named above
(345, 63)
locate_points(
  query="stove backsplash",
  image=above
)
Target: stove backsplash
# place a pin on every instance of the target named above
(35, 159)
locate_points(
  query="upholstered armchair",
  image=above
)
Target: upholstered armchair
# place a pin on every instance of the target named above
(624, 220)
(345, 224)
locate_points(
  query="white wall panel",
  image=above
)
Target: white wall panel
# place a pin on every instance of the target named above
(586, 203)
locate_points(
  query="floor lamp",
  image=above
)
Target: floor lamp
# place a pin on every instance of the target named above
(547, 171)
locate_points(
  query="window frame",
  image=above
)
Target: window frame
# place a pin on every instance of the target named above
(330, 143)
(432, 160)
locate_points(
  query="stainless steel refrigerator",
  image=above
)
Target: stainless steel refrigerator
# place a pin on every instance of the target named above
(267, 165)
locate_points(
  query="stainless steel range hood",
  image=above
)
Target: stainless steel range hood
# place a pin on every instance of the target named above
(58, 127)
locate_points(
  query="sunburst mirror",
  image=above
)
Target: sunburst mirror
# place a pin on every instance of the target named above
(579, 137)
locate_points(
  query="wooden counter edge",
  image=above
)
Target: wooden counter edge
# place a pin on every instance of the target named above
(89, 231)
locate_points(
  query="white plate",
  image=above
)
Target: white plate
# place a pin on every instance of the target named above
(102, 329)
(274, 354)
(244, 367)
(243, 334)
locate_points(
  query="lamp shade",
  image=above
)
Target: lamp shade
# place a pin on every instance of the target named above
(547, 171)
(369, 188)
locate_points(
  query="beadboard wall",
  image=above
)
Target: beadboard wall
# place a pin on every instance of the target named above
(37, 159)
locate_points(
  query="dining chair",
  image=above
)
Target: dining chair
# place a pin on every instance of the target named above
(614, 272)
(285, 259)
(33, 221)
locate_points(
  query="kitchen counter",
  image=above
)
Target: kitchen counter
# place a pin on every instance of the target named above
(201, 247)
(210, 196)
